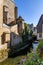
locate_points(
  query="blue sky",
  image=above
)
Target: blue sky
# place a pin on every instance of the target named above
(30, 10)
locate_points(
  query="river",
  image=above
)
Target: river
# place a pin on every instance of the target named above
(35, 45)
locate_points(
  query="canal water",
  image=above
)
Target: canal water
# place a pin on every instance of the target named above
(35, 45)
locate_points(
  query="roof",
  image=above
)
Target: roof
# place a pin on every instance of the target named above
(39, 26)
(40, 20)
(20, 18)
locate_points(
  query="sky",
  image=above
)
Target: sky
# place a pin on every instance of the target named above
(30, 10)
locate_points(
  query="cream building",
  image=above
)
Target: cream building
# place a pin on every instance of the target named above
(8, 26)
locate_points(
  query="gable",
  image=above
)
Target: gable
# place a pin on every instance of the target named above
(40, 20)
(39, 26)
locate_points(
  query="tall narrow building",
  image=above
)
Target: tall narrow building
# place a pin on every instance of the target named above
(8, 16)
(11, 27)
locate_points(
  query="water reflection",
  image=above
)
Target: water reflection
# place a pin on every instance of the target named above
(35, 45)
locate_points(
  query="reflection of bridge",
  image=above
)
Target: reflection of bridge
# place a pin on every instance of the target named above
(22, 48)
(21, 51)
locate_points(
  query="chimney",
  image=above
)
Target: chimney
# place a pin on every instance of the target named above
(15, 13)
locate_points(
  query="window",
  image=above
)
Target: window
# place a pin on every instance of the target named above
(3, 37)
(5, 17)
(5, 12)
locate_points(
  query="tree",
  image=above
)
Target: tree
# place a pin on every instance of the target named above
(31, 32)
(25, 34)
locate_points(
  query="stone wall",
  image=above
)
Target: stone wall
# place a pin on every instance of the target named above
(16, 40)
(7, 29)
(14, 29)
(3, 54)
(10, 9)
(3, 46)
(1, 13)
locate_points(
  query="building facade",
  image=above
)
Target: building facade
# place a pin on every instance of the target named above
(40, 28)
(8, 23)
(20, 23)
(35, 31)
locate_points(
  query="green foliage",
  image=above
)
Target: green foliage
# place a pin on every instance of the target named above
(12, 61)
(28, 35)
(31, 32)
(40, 48)
(33, 59)
(25, 34)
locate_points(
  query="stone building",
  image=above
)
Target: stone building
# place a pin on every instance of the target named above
(8, 23)
(20, 22)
